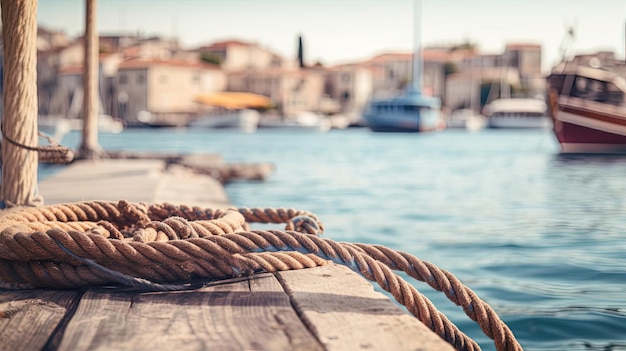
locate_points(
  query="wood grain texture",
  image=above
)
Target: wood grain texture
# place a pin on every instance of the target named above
(245, 314)
(29, 318)
(345, 313)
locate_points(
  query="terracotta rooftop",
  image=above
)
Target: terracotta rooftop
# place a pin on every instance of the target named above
(514, 46)
(225, 44)
(73, 69)
(145, 63)
(391, 56)
(428, 54)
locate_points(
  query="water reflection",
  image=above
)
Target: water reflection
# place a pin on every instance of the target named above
(588, 159)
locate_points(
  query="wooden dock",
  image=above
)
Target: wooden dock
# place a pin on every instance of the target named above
(323, 308)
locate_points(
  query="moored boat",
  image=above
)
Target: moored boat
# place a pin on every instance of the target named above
(466, 119)
(517, 113)
(245, 120)
(230, 109)
(411, 112)
(304, 120)
(588, 109)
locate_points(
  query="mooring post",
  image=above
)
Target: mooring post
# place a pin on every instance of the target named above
(89, 148)
(19, 121)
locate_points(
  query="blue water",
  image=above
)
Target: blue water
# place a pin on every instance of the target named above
(539, 236)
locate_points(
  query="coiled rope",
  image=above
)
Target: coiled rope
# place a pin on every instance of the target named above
(156, 246)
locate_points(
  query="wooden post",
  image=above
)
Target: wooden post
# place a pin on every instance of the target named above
(19, 165)
(89, 148)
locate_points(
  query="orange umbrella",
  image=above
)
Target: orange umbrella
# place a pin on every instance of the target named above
(234, 100)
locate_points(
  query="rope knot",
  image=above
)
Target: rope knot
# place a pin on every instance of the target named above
(52, 153)
(133, 212)
(304, 224)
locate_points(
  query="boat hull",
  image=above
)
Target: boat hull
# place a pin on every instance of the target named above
(426, 119)
(466, 119)
(61, 125)
(581, 129)
(522, 113)
(244, 120)
(405, 123)
(305, 121)
(519, 122)
(401, 128)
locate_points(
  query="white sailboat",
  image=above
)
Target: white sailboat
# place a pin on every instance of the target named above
(412, 111)
(469, 118)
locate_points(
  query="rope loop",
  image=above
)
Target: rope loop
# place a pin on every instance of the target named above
(153, 246)
(52, 153)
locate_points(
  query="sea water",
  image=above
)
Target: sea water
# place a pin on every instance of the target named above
(539, 236)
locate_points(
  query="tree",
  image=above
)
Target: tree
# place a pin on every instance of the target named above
(211, 58)
(465, 45)
(449, 68)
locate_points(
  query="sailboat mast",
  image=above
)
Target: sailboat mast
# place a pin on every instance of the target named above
(418, 64)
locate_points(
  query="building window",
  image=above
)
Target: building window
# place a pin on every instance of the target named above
(195, 79)
(163, 79)
(140, 79)
(123, 78)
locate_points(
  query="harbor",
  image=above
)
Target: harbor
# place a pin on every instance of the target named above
(525, 202)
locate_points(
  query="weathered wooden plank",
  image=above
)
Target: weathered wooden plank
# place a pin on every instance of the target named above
(178, 185)
(345, 313)
(28, 318)
(132, 180)
(246, 314)
(108, 180)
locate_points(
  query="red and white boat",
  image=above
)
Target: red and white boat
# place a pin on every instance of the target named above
(588, 109)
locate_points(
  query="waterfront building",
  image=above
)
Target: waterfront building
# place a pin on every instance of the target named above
(237, 55)
(166, 89)
(291, 90)
(350, 86)
(449, 73)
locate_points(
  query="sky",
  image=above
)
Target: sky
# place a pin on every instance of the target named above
(343, 31)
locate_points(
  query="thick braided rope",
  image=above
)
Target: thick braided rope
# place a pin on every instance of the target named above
(142, 241)
(19, 120)
(298, 220)
(445, 282)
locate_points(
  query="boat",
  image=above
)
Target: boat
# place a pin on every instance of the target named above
(588, 108)
(59, 126)
(162, 119)
(305, 121)
(230, 109)
(245, 120)
(517, 113)
(466, 118)
(410, 112)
